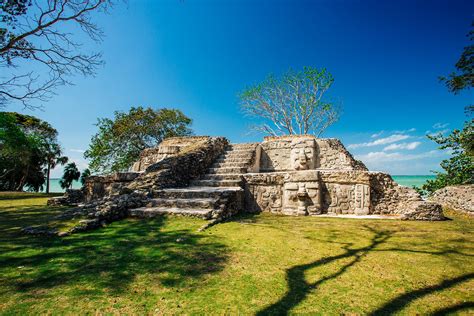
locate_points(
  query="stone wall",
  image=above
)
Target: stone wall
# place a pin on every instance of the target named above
(169, 147)
(353, 192)
(177, 171)
(390, 198)
(459, 198)
(333, 155)
(309, 192)
(302, 152)
(96, 187)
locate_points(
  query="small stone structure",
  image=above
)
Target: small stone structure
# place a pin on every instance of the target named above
(209, 178)
(458, 197)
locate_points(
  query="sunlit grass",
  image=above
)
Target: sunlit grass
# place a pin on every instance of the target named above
(255, 264)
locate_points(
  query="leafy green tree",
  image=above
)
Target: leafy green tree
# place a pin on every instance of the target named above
(86, 173)
(71, 174)
(463, 77)
(459, 168)
(120, 140)
(26, 149)
(293, 103)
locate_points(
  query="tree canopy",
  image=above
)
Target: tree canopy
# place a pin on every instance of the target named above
(463, 77)
(27, 147)
(293, 103)
(120, 140)
(459, 168)
(71, 174)
(42, 35)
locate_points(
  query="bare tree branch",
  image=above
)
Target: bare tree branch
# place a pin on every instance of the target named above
(293, 104)
(35, 36)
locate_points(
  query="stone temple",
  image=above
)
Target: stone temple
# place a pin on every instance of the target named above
(210, 178)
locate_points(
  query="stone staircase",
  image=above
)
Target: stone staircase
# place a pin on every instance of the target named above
(209, 196)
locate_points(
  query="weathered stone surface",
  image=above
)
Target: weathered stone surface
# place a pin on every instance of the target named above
(303, 152)
(97, 187)
(70, 197)
(388, 197)
(179, 170)
(169, 147)
(459, 198)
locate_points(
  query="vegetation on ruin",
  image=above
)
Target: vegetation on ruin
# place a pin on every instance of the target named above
(119, 141)
(261, 264)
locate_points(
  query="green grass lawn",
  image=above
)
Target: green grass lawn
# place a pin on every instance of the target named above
(262, 264)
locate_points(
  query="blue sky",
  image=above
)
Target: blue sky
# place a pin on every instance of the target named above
(385, 56)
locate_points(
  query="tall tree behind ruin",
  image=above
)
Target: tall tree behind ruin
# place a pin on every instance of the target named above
(39, 50)
(293, 103)
(119, 141)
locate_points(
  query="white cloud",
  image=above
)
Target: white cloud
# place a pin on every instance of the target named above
(440, 125)
(381, 141)
(376, 134)
(77, 150)
(380, 156)
(411, 130)
(408, 146)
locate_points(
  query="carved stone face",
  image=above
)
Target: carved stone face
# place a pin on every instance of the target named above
(302, 154)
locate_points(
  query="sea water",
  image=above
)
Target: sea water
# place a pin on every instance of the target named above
(54, 186)
(411, 181)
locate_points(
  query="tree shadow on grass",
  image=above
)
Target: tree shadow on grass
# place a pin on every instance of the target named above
(299, 288)
(401, 301)
(109, 260)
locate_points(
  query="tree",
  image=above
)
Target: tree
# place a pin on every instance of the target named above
(293, 103)
(53, 157)
(120, 140)
(463, 77)
(71, 174)
(28, 146)
(459, 168)
(19, 156)
(86, 173)
(42, 35)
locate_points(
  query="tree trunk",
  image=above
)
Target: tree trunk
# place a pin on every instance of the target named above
(47, 178)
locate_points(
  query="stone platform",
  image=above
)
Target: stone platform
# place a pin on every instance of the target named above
(209, 178)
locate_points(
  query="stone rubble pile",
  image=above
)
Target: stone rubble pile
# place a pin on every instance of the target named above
(459, 198)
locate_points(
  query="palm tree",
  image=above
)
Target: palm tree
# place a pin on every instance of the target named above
(53, 157)
(71, 173)
(86, 173)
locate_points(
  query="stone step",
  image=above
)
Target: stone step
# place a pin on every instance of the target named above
(229, 164)
(233, 159)
(240, 151)
(224, 176)
(150, 212)
(226, 170)
(216, 183)
(235, 156)
(199, 203)
(242, 146)
(194, 192)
